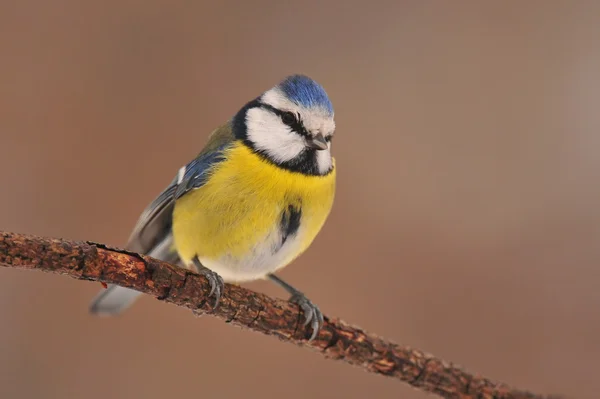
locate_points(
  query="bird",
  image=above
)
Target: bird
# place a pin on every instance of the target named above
(252, 200)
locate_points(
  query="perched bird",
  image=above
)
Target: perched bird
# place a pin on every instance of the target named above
(252, 200)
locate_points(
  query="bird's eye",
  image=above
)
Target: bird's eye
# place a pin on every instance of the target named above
(288, 118)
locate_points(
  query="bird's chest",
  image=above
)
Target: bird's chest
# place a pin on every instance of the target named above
(251, 217)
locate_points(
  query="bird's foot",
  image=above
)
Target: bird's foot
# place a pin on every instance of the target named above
(217, 285)
(312, 313)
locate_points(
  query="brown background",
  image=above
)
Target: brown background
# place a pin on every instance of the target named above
(467, 216)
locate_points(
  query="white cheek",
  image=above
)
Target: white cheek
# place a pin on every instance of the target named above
(324, 161)
(269, 134)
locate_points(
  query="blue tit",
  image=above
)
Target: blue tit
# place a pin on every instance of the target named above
(252, 201)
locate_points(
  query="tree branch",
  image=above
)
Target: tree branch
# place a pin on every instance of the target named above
(248, 309)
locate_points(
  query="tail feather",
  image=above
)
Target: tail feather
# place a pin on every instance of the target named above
(113, 300)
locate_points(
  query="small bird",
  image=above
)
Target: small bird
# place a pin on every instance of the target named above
(252, 201)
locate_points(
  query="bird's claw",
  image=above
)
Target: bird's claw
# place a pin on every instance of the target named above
(216, 285)
(312, 313)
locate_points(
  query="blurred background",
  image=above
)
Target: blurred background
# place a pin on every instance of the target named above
(467, 217)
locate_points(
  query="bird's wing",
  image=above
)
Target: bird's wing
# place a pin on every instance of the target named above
(154, 224)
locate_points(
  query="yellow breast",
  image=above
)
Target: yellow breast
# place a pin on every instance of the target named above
(232, 223)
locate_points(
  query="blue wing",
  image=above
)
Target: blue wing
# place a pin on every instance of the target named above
(196, 172)
(154, 224)
(152, 234)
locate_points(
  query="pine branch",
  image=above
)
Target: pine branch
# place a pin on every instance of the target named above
(248, 309)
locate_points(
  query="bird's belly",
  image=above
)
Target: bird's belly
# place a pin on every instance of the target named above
(234, 222)
(266, 256)
(244, 243)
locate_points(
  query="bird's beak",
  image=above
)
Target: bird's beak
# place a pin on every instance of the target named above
(317, 142)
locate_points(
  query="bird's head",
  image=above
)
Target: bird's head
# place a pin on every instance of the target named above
(290, 125)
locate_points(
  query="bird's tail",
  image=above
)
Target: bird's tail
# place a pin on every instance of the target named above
(113, 300)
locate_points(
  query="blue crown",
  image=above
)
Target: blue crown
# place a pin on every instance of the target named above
(306, 92)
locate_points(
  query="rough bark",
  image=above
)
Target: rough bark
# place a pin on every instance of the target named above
(248, 309)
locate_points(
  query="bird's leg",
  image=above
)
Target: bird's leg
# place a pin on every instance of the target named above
(312, 313)
(215, 281)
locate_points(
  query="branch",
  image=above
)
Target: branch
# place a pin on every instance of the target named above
(248, 309)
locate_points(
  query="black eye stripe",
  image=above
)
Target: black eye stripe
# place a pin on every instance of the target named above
(296, 126)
